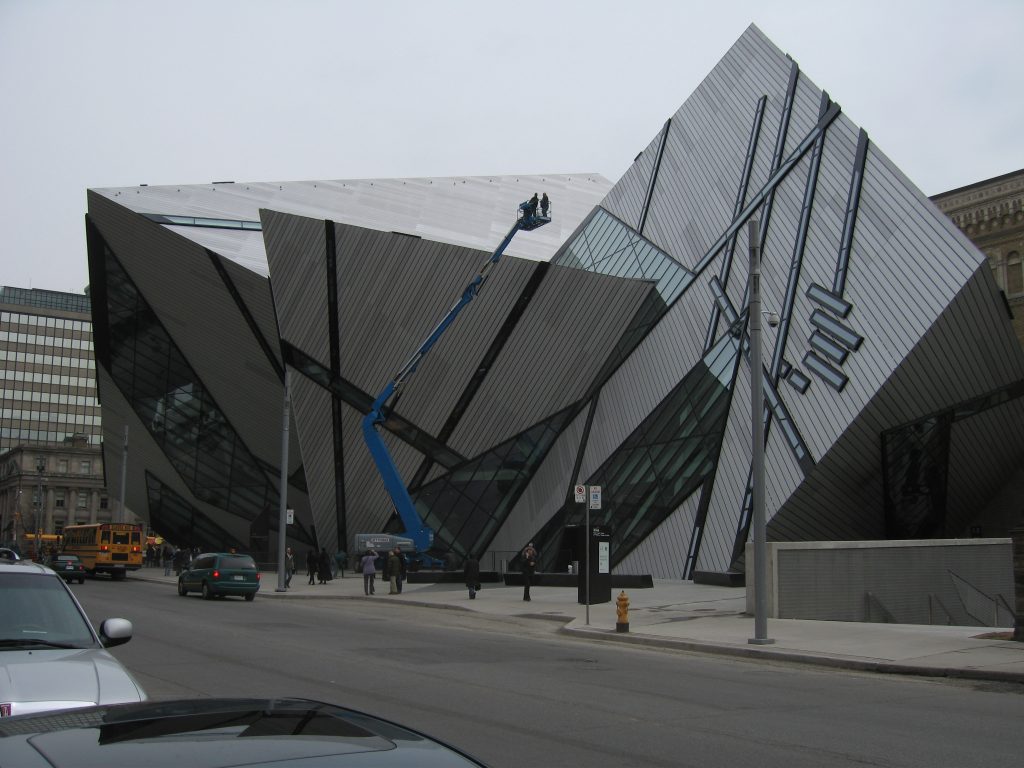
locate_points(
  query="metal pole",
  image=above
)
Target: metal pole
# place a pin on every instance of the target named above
(757, 441)
(39, 506)
(282, 518)
(587, 557)
(124, 475)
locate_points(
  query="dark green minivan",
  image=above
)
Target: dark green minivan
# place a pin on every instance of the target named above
(217, 574)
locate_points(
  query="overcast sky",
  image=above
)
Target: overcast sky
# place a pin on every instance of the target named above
(100, 93)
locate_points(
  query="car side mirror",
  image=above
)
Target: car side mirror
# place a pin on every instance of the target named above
(115, 632)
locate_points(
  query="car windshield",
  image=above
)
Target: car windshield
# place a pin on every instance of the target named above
(38, 610)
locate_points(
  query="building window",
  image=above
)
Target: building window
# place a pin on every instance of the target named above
(1014, 275)
(83, 499)
(62, 466)
(104, 502)
(86, 466)
(58, 499)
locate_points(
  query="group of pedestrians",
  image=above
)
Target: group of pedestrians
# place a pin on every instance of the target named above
(318, 567)
(394, 567)
(394, 570)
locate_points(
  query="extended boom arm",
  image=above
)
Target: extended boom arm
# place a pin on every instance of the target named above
(420, 533)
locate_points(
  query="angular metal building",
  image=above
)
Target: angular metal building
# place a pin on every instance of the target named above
(615, 354)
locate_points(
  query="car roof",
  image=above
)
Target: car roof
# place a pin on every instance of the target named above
(21, 566)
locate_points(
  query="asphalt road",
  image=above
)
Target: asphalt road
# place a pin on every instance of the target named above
(514, 692)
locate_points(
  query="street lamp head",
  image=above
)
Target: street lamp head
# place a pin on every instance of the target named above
(772, 318)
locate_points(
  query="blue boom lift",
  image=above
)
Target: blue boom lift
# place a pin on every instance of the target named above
(527, 219)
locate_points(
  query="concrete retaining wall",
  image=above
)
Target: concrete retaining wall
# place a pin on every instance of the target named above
(962, 582)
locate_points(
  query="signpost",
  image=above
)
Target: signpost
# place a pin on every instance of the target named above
(593, 502)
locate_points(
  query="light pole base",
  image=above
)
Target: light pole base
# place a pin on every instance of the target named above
(760, 641)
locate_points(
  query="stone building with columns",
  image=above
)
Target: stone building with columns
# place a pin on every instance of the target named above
(991, 214)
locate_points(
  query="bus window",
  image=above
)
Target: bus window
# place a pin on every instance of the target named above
(121, 537)
(104, 537)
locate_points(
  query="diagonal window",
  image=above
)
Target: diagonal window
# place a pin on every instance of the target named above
(177, 410)
(661, 463)
(467, 506)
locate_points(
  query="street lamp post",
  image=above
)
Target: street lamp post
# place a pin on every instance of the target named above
(757, 442)
(40, 468)
(282, 516)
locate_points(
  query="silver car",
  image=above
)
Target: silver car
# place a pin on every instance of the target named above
(50, 655)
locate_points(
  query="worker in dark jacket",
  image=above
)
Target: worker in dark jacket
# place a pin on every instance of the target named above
(471, 571)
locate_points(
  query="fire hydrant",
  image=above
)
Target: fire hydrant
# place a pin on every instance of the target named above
(622, 610)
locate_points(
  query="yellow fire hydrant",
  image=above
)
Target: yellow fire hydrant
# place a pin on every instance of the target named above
(622, 610)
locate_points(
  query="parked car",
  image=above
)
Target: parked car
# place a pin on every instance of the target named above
(68, 566)
(202, 733)
(50, 655)
(217, 574)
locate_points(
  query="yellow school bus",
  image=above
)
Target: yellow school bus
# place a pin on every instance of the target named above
(36, 546)
(113, 548)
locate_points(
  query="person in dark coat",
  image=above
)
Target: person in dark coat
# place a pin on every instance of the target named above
(402, 568)
(529, 568)
(533, 205)
(471, 571)
(312, 562)
(323, 567)
(544, 205)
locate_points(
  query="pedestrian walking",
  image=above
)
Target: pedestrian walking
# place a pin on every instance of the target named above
(401, 569)
(311, 565)
(323, 567)
(471, 571)
(392, 569)
(289, 567)
(369, 571)
(529, 568)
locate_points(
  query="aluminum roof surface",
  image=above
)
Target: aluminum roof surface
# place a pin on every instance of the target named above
(472, 211)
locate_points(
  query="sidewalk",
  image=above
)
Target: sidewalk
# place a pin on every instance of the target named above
(705, 619)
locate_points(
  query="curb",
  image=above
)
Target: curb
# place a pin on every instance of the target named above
(795, 657)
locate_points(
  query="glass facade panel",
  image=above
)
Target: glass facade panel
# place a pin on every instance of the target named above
(607, 246)
(177, 410)
(466, 506)
(179, 521)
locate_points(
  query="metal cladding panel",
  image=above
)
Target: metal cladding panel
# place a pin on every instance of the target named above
(903, 282)
(461, 210)
(629, 194)
(553, 355)
(663, 553)
(297, 255)
(661, 360)
(201, 317)
(242, 247)
(967, 352)
(545, 494)
(256, 294)
(393, 290)
(310, 403)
